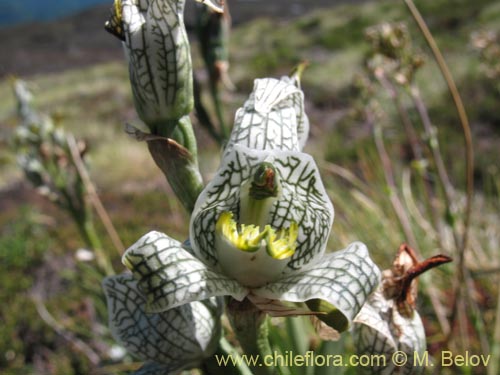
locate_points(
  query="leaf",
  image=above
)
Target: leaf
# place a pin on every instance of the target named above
(299, 334)
(170, 276)
(344, 279)
(337, 348)
(302, 200)
(177, 339)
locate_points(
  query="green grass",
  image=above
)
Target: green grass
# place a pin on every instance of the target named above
(23, 242)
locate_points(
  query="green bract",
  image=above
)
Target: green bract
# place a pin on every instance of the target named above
(260, 227)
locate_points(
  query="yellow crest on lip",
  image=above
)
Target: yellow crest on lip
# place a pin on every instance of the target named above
(279, 244)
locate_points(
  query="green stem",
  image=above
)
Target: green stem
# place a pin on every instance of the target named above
(398, 207)
(214, 90)
(91, 238)
(181, 131)
(184, 135)
(443, 178)
(251, 328)
(202, 114)
(81, 214)
(413, 139)
(411, 133)
(464, 121)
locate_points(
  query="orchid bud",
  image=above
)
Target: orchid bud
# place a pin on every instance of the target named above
(157, 49)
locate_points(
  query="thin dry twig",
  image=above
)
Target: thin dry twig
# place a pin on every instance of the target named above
(93, 196)
(344, 173)
(464, 121)
(74, 341)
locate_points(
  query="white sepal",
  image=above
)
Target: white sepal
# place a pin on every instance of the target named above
(178, 338)
(379, 329)
(344, 279)
(170, 276)
(273, 117)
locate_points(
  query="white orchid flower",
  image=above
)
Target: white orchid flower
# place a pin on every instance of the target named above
(169, 341)
(157, 49)
(260, 227)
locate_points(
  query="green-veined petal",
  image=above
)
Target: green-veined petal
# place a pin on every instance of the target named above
(379, 329)
(272, 118)
(297, 102)
(302, 200)
(177, 338)
(170, 276)
(344, 279)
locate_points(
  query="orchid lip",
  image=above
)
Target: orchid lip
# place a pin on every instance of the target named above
(279, 244)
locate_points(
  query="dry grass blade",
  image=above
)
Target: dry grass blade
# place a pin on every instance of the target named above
(463, 120)
(461, 274)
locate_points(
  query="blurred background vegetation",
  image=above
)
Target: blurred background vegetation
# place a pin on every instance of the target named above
(77, 73)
